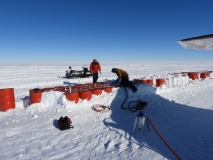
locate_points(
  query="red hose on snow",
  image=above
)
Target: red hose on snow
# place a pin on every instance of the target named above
(100, 108)
(163, 139)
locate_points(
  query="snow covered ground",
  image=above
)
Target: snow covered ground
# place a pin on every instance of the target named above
(183, 114)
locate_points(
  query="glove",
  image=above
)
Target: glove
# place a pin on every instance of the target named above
(116, 81)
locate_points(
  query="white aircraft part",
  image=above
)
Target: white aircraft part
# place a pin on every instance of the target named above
(202, 43)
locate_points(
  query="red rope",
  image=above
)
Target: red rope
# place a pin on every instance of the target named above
(163, 139)
(100, 108)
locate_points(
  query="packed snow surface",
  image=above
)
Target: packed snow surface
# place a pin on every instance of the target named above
(182, 113)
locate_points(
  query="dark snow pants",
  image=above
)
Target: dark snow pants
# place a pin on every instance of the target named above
(95, 77)
(126, 83)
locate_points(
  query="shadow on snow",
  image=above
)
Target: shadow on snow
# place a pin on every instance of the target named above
(188, 130)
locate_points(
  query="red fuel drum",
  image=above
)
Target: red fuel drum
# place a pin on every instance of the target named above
(7, 99)
(159, 82)
(204, 75)
(85, 94)
(193, 75)
(150, 81)
(35, 96)
(97, 91)
(73, 96)
(108, 89)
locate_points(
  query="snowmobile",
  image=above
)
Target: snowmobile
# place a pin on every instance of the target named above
(73, 73)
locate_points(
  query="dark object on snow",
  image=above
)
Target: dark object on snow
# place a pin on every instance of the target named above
(123, 75)
(201, 43)
(64, 123)
(73, 73)
(140, 105)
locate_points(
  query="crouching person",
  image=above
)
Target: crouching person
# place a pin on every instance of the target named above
(123, 75)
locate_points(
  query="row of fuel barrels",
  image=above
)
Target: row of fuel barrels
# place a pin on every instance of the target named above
(160, 81)
(198, 75)
(73, 92)
(84, 91)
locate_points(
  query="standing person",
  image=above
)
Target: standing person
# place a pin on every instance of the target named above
(123, 75)
(94, 68)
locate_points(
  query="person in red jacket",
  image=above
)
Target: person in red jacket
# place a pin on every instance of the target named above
(94, 68)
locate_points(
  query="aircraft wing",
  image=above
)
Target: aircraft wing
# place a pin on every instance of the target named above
(200, 43)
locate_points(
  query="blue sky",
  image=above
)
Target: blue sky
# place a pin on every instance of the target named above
(108, 30)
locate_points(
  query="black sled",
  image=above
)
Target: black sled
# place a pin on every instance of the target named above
(81, 74)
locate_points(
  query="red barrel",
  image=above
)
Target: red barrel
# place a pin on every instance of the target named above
(7, 99)
(193, 75)
(159, 82)
(150, 81)
(73, 96)
(35, 96)
(108, 89)
(204, 74)
(85, 94)
(97, 91)
(143, 81)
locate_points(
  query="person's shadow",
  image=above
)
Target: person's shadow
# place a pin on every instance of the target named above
(188, 130)
(26, 101)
